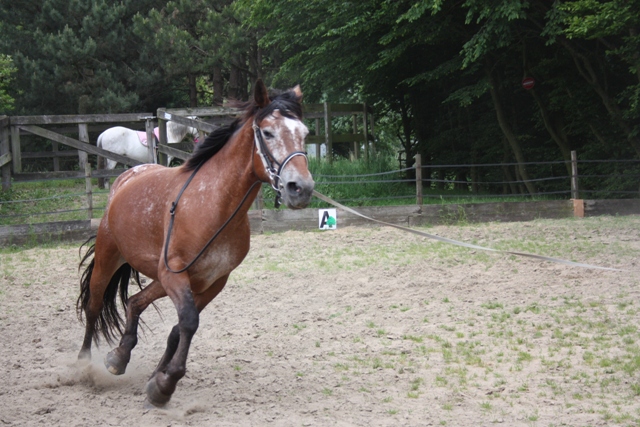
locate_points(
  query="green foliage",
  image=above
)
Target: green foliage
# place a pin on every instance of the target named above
(426, 64)
(343, 180)
(615, 23)
(72, 56)
(444, 78)
(7, 71)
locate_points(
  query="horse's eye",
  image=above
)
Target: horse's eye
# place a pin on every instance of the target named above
(267, 134)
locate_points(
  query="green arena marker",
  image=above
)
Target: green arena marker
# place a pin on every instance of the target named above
(327, 219)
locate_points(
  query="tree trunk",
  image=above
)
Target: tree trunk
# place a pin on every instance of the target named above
(440, 179)
(511, 137)
(407, 131)
(474, 177)
(461, 175)
(586, 70)
(193, 91)
(555, 130)
(633, 33)
(509, 187)
(218, 86)
(234, 82)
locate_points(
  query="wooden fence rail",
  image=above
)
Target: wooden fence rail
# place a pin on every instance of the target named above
(262, 221)
(11, 129)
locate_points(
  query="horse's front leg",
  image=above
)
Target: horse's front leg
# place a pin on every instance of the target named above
(172, 366)
(162, 385)
(118, 358)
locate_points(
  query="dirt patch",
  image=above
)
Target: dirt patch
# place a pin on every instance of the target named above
(355, 327)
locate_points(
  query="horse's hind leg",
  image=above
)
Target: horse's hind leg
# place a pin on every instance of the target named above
(118, 358)
(172, 366)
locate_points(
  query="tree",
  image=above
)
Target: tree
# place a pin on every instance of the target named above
(447, 75)
(448, 64)
(7, 71)
(72, 51)
(204, 43)
(603, 39)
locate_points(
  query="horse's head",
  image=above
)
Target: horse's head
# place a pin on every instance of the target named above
(193, 131)
(279, 138)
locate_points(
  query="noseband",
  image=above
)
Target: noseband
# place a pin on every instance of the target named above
(270, 162)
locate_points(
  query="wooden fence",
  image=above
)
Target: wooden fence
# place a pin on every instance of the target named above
(362, 127)
(262, 221)
(17, 126)
(5, 153)
(58, 128)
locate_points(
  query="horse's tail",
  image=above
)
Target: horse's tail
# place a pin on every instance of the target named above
(109, 320)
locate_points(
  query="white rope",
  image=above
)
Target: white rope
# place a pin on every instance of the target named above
(457, 243)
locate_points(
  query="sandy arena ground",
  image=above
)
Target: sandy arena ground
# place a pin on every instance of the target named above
(355, 327)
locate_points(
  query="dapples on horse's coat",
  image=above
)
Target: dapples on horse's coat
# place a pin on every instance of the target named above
(187, 229)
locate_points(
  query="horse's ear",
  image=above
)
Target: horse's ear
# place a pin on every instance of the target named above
(260, 95)
(298, 92)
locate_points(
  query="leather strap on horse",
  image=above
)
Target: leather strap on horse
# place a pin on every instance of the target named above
(457, 243)
(270, 160)
(174, 205)
(275, 181)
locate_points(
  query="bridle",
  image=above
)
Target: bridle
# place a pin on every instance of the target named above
(270, 162)
(274, 175)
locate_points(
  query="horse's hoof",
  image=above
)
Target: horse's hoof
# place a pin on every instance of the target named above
(114, 364)
(155, 396)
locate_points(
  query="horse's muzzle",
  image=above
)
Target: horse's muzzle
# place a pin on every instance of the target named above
(297, 194)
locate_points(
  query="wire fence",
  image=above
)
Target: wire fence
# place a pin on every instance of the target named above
(59, 199)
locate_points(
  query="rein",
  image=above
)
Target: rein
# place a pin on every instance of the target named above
(274, 175)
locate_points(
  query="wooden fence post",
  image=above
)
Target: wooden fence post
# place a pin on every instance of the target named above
(16, 157)
(418, 166)
(365, 130)
(318, 145)
(87, 180)
(151, 140)
(56, 159)
(162, 134)
(356, 143)
(327, 131)
(5, 153)
(578, 203)
(83, 136)
(574, 176)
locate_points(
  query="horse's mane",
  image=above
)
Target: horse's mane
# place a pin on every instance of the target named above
(211, 145)
(288, 103)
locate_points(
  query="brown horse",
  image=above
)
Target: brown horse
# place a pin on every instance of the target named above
(187, 228)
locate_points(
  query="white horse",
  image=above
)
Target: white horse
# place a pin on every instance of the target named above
(133, 144)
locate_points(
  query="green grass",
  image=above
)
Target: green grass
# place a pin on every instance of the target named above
(352, 182)
(48, 201)
(346, 181)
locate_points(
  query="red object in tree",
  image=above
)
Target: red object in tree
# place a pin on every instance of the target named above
(528, 83)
